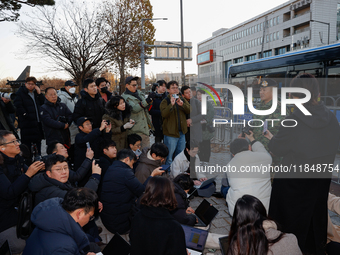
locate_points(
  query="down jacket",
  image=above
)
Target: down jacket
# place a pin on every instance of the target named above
(56, 232)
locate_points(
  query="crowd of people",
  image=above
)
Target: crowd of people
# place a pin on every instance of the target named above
(100, 163)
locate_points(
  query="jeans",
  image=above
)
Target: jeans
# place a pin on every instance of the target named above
(175, 145)
(224, 190)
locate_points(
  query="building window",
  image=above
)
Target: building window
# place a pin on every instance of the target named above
(274, 21)
(238, 60)
(251, 57)
(278, 35)
(278, 20)
(267, 38)
(261, 25)
(270, 23)
(271, 37)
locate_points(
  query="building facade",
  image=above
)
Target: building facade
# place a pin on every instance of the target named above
(291, 26)
(190, 79)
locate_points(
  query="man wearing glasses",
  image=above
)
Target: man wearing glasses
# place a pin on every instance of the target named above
(27, 103)
(14, 179)
(174, 109)
(140, 110)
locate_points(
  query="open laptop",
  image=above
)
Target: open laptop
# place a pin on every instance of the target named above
(116, 246)
(4, 249)
(195, 239)
(205, 183)
(224, 245)
(205, 213)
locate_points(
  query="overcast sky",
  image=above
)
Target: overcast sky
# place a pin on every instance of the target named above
(201, 18)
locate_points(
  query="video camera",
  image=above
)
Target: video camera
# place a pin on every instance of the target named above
(7, 95)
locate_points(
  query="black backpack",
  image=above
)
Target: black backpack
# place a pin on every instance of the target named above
(25, 208)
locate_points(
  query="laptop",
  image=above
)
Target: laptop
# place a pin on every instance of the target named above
(116, 246)
(205, 213)
(4, 249)
(195, 239)
(224, 245)
(205, 183)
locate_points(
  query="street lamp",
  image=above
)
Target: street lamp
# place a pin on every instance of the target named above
(326, 23)
(142, 55)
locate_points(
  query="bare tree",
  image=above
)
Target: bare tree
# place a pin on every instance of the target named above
(123, 20)
(71, 38)
(9, 9)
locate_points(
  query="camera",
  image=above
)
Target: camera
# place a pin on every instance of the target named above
(246, 130)
(7, 95)
(62, 119)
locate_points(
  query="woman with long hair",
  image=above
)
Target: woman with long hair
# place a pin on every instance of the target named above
(118, 113)
(251, 231)
(154, 231)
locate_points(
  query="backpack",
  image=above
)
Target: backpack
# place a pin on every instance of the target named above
(25, 208)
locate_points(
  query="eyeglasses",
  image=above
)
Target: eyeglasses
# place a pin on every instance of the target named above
(134, 85)
(61, 168)
(30, 83)
(14, 142)
(174, 88)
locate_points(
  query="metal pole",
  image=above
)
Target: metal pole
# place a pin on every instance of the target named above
(142, 60)
(329, 29)
(182, 45)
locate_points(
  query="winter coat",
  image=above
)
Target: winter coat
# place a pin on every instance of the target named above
(182, 204)
(255, 184)
(146, 165)
(171, 120)
(30, 129)
(70, 101)
(333, 231)
(94, 138)
(55, 129)
(13, 182)
(120, 188)
(155, 113)
(7, 109)
(181, 164)
(45, 187)
(90, 107)
(155, 232)
(196, 117)
(139, 114)
(300, 204)
(117, 119)
(56, 232)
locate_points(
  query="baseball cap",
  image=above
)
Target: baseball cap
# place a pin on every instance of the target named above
(130, 78)
(70, 83)
(81, 120)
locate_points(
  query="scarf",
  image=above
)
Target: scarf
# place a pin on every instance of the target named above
(135, 94)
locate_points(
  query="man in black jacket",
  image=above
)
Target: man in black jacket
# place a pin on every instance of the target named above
(155, 112)
(56, 118)
(27, 102)
(120, 188)
(91, 104)
(14, 179)
(87, 135)
(6, 108)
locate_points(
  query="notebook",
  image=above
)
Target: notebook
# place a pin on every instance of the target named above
(116, 246)
(195, 239)
(224, 244)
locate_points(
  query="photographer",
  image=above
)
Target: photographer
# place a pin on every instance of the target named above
(56, 118)
(6, 108)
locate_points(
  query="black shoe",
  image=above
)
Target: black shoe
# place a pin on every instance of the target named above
(217, 195)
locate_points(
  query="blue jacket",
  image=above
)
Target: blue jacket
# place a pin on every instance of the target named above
(120, 188)
(53, 128)
(13, 182)
(56, 232)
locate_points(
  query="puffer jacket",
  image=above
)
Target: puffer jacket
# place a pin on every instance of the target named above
(56, 232)
(70, 101)
(139, 114)
(146, 165)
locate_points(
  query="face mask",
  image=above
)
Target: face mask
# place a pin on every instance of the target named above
(103, 90)
(72, 90)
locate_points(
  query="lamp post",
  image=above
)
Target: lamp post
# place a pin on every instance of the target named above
(182, 45)
(326, 23)
(182, 60)
(142, 55)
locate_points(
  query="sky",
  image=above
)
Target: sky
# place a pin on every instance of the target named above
(200, 19)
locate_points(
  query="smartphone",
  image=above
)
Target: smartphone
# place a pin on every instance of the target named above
(265, 127)
(108, 122)
(175, 96)
(166, 168)
(137, 152)
(88, 145)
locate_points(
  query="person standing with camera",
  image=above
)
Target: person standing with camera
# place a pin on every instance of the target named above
(56, 118)
(266, 94)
